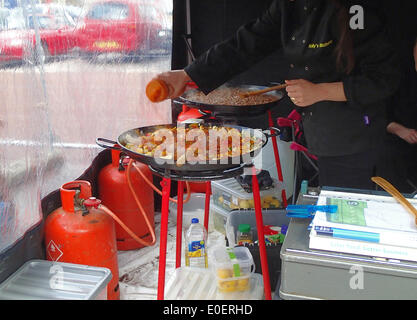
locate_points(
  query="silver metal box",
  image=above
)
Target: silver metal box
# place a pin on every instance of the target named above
(47, 280)
(316, 274)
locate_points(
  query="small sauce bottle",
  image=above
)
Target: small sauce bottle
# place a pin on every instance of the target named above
(244, 234)
(157, 90)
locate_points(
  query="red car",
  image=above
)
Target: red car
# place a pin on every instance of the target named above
(121, 26)
(18, 40)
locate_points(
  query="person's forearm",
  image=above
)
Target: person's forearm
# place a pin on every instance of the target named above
(331, 91)
(394, 128)
(304, 93)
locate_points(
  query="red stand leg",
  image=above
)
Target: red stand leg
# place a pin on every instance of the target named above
(277, 159)
(179, 223)
(207, 205)
(166, 189)
(261, 236)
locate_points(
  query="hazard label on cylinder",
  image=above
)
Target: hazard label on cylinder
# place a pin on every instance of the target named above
(53, 251)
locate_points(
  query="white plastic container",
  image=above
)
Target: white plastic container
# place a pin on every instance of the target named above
(235, 218)
(48, 280)
(200, 284)
(218, 216)
(194, 208)
(233, 268)
(229, 195)
(196, 245)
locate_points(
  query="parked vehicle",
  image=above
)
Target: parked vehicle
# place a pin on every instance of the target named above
(124, 27)
(18, 40)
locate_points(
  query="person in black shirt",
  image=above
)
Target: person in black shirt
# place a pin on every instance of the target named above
(340, 78)
(398, 160)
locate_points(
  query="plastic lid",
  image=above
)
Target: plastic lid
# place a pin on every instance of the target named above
(221, 258)
(194, 220)
(244, 227)
(232, 187)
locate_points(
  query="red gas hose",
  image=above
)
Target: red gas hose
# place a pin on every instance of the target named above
(130, 232)
(142, 211)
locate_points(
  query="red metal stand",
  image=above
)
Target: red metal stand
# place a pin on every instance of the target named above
(166, 189)
(261, 236)
(179, 223)
(277, 159)
(207, 205)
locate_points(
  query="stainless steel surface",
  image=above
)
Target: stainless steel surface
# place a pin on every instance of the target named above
(47, 280)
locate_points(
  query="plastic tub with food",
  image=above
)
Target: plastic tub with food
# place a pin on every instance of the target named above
(233, 268)
(230, 195)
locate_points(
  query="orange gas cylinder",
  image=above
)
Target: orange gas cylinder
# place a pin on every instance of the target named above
(79, 232)
(114, 192)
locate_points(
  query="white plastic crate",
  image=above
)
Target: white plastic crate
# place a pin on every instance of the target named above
(200, 284)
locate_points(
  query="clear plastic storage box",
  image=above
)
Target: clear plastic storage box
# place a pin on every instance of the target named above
(218, 216)
(48, 280)
(229, 195)
(233, 268)
(194, 208)
(200, 284)
(270, 217)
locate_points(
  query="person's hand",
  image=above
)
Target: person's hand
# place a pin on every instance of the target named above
(303, 93)
(176, 80)
(407, 134)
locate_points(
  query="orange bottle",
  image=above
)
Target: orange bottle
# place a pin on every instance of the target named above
(157, 90)
(79, 232)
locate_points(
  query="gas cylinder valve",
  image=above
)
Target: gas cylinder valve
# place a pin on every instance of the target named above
(92, 202)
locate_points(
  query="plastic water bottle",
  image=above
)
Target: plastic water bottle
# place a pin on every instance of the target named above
(196, 245)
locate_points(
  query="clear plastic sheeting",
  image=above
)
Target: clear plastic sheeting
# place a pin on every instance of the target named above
(71, 71)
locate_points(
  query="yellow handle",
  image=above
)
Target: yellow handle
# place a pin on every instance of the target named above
(396, 194)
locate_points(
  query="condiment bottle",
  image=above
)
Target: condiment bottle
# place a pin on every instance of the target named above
(244, 234)
(157, 90)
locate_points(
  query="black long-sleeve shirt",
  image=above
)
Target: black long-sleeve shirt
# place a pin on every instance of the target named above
(402, 107)
(307, 33)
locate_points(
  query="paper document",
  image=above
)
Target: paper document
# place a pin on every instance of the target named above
(364, 212)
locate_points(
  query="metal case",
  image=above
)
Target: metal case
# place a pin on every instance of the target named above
(316, 274)
(47, 280)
